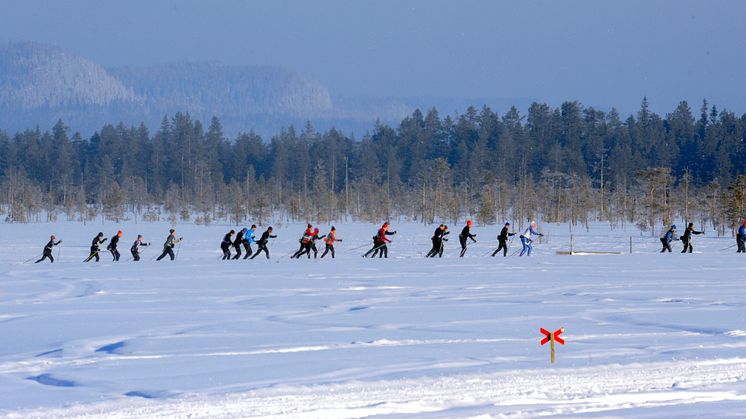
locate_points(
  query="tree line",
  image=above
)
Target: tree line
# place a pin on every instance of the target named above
(563, 164)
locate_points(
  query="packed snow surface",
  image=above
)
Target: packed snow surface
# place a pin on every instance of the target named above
(647, 334)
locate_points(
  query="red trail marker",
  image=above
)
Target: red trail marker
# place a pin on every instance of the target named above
(551, 337)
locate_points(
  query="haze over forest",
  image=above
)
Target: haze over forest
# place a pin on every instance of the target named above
(346, 64)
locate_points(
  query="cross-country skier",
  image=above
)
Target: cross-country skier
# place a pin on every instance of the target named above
(135, 249)
(226, 244)
(668, 237)
(686, 239)
(330, 239)
(305, 243)
(466, 234)
(437, 239)
(97, 241)
(248, 240)
(112, 247)
(379, 242)
(741, 238)
(168, 246)
(262, 243)
(239, 241)
(313, 247)
(47, 252)
(526, 239)
(502, 239)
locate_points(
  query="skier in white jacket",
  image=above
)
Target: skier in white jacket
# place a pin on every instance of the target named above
(526, 238)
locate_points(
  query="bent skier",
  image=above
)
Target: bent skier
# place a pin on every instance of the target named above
(168, 246)
(312, 245)
(379, 242)
(135, 249)
(741, 238)
(95, 243)
(502, 240)
(330, 239)
(668, 237)
(238, 242)
(305, 243)
(112, 247)
(466, 234)
(47, 252)
(226, 244)
(686, 239)
(437, 239)
(262, 243)
(526, 239)
(248, 241)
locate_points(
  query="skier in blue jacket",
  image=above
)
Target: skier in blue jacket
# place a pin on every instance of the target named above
(741, 238)
(248, 240)
(668, 237)
(526, 239)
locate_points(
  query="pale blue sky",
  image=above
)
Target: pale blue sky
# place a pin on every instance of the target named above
(602, 53)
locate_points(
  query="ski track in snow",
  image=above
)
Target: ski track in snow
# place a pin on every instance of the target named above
(646, 333)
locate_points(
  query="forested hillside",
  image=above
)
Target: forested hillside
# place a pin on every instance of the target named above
(570, 163)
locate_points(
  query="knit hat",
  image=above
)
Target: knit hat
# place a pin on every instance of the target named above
(172, 231)
(507, 224)
(119, 233)
(468, 222)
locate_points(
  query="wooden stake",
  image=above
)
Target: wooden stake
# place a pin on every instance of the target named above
(551, 345)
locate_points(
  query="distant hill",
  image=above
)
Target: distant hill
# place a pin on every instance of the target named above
(41, 76)
(212, 87)
(40, 84)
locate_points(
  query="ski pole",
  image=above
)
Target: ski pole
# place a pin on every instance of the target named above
(29, 260)
(729, 247)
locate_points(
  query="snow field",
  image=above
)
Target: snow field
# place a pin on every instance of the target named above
(647, 334)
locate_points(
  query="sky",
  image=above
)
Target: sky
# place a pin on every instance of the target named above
(602, 53)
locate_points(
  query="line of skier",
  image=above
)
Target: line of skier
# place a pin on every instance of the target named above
(245, 238)
(113, 246)
(670, 236)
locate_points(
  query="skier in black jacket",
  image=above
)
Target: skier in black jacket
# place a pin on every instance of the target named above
(437, 239)
(466, 234)
(47, 252)
(686, 239)
(502, 239)
(97, 241)
(239, 241)
(262, 243)
(112, 247)
(226, 244)
(135, 249)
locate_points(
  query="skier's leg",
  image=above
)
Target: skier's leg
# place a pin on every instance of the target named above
(237, 248)
(247, 247)
(523, 243)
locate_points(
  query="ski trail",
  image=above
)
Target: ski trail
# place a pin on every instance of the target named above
(510, 393)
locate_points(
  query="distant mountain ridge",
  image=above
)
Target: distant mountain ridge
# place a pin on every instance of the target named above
(36, 75)
(41, 83)
(213, 87)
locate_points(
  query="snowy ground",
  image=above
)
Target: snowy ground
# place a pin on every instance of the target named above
(647, 334)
